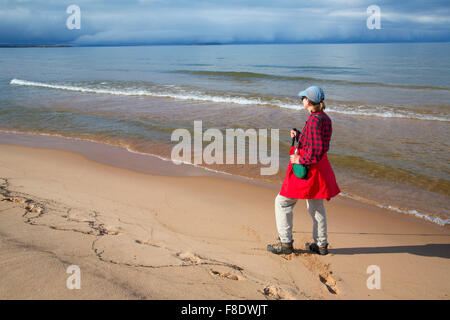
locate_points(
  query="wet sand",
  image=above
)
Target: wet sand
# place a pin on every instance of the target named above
(140, 235)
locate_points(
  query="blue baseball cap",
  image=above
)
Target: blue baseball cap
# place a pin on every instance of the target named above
(315, 94)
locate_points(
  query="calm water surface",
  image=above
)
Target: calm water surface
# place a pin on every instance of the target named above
(389, 104)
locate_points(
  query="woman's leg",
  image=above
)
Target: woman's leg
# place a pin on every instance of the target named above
(283, 217)
(317, 211)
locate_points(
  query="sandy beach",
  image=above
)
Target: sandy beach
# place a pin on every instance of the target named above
(137, 235)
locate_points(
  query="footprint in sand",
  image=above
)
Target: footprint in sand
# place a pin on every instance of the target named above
(35, 208)
(227, 275)
(15, 200)
(190, 258)
(79, 215)
(149, 243)
(30, 207)
(278, 293)
(314, 264)
(329, 282)
(109, 230)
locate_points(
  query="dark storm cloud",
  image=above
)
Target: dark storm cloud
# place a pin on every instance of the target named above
(196, 21)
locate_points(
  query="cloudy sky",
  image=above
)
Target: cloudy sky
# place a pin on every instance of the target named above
(128, 22)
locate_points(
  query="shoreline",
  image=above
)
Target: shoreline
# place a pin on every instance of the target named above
(123, 157)
(119, 156)
(142, 236)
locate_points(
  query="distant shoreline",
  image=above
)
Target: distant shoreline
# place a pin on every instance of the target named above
(203, 44)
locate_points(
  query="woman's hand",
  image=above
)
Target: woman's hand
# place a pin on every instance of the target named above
(295, 158)
(293, 133)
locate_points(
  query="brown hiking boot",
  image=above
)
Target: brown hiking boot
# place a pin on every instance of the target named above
(313, 247)
(281, 248)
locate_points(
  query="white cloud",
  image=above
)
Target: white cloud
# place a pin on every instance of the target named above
(415, 18)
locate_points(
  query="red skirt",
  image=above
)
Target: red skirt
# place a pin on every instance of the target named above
(320, 183)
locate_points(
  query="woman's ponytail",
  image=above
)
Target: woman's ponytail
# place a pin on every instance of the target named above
(319, 106)
(322, 106)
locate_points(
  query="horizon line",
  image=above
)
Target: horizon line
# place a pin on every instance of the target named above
(212, 43)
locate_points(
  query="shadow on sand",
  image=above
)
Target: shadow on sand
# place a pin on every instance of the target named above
(427, 250)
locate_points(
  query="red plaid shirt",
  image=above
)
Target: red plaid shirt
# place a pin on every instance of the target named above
(315, 138)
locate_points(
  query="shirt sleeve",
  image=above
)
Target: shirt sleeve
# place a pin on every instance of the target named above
(314, 144)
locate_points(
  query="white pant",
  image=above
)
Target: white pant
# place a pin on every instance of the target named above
(283, 217)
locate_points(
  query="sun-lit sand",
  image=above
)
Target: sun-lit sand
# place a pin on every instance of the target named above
(136, 235)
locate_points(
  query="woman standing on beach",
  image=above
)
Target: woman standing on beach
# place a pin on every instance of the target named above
(319, 183)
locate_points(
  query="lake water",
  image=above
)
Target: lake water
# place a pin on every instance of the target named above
(389, 104)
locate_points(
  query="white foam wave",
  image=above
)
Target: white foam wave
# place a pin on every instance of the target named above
(197, 95)
(389, 114)
(437, 220)
(177, 162)
(428, 217)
